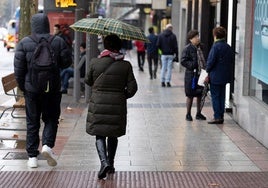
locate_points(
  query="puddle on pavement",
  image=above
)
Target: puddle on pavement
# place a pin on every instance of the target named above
(12, 144)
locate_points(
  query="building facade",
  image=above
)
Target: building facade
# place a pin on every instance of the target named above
(250, 108)
(247, 26)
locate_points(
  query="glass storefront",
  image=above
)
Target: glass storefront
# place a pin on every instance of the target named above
(259, 68)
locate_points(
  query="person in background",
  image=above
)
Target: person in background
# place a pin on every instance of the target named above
(167, 43)
(140, 53)
(56, 30)
(68, 73)
(63, 34)
(220, 72)
(112, 82)
(192, 59)
(45, 105)
(126, 47)
(152, 53)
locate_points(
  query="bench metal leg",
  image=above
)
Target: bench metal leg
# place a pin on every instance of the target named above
(12, 113)
(16, 116)
(5, 111)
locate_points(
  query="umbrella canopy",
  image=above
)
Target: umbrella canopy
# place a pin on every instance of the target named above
(107, 26)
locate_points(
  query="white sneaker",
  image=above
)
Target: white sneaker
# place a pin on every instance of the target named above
(49, 155)
(32, 162)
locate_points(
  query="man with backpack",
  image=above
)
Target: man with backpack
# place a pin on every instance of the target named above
(37, 63)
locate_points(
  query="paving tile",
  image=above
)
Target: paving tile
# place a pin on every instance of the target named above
(157, 137)
(263, 165)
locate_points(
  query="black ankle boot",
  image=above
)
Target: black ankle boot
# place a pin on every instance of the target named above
(105, 167)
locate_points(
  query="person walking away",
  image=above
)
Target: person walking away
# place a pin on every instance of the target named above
(127, 46)
(41, 103)
(68, 73)
(220, 72)
(152, 53)
(193, 60)
(140, 53)
(167, 43)
(112, 81)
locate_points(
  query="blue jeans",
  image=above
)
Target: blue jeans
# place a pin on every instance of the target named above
(167, 61)
(65, 75)
(218, 100)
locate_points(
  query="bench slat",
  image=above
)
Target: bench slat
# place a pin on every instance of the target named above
(9, 83)
(20, 103)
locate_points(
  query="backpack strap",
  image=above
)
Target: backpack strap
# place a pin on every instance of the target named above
(51, 38)
(35, 39)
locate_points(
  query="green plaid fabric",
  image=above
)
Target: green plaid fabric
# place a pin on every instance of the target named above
(107, 26)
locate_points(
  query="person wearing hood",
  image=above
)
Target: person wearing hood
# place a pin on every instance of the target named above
(45, 104)
(167, 43)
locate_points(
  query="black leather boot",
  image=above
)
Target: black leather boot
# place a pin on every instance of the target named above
(101, 148)
(112, 146)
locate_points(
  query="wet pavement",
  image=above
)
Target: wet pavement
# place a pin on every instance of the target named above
(158, 138)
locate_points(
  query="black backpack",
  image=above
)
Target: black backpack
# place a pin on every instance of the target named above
(43, 65)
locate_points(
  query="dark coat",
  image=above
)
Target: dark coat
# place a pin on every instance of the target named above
(108, 102)
(167, 43)
(25, 49)
(220, 63)
(189, 60)
(151, 47)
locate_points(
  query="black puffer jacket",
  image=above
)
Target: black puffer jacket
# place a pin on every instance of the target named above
(167, 43)
(25, 49)
(107, 111)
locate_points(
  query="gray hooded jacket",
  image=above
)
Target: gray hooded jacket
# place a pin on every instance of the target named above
(25, 49)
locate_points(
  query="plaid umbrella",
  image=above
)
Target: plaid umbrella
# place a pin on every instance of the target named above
(107, 26)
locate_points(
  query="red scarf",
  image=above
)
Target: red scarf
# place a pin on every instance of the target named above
(114, 55)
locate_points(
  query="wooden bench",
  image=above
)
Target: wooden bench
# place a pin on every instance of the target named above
(10, 86)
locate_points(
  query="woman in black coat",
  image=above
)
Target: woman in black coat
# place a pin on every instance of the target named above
(112, 82)
(193, 60)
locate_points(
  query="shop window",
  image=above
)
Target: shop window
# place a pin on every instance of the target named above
(259, 68)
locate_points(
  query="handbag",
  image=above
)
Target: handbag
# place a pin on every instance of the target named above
(202, 77)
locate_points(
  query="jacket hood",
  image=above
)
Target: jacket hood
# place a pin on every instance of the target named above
(167, 32)
(40, 24)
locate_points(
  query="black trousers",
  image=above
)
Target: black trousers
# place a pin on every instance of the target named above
(141, 59)
(152, 58)
(47, 107)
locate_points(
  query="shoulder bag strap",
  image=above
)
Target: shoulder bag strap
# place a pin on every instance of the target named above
(105, 70)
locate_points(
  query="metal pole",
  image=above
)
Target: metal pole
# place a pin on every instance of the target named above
(92, 49)
(79, 13)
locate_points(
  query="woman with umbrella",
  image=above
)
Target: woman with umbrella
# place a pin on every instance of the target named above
(112, 81)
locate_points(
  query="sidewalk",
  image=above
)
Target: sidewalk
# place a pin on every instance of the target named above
(158, 138)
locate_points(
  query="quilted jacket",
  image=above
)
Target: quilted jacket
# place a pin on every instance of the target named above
(25, 49)
(107, 111)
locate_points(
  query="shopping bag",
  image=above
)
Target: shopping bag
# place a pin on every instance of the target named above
(202, 77)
